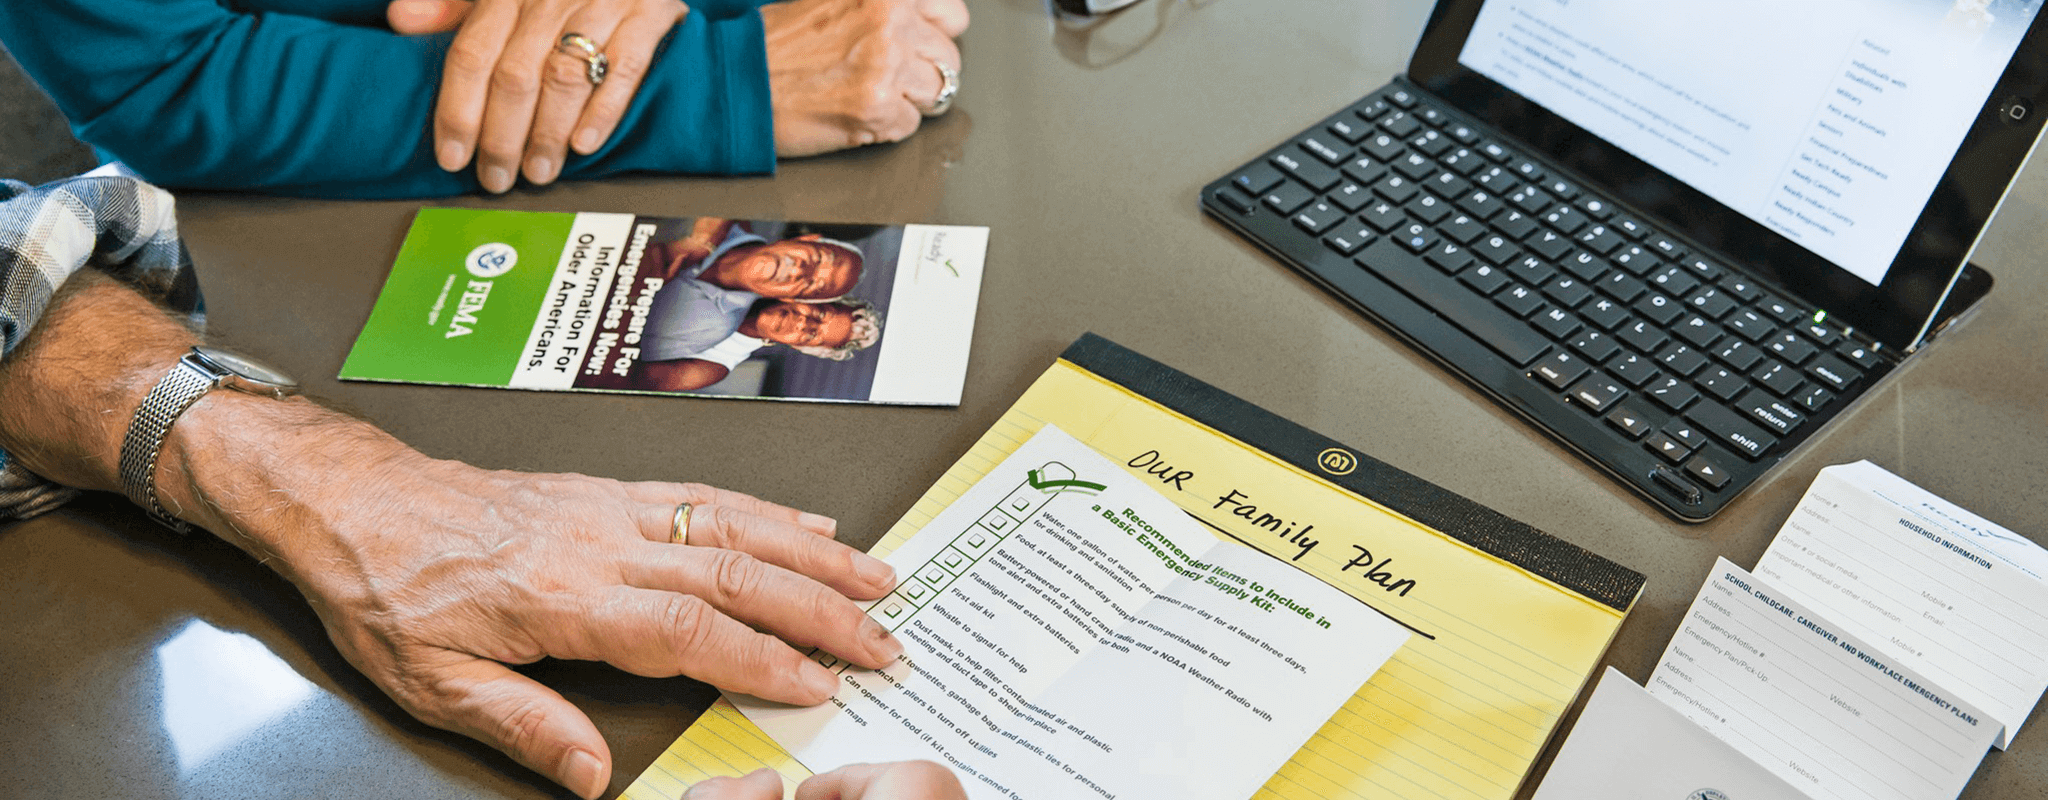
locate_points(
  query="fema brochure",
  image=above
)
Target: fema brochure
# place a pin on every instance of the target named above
(688, 305)
(1072, 633)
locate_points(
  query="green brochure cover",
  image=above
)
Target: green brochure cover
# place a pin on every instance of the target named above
(677, 305)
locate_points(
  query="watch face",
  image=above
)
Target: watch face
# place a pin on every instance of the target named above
(247, 368)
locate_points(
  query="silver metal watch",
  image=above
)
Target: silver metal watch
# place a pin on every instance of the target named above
(193, 376)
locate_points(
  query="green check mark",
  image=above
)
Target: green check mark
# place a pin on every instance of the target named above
(1075, 484)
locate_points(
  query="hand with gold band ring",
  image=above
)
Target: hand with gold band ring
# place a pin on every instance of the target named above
(679, 524)
(949, 88)
(594, 59)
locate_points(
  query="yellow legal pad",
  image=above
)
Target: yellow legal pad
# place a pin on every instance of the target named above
(1510, 621)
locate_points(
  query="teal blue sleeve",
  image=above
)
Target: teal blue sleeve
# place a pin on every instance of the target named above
(192, 94)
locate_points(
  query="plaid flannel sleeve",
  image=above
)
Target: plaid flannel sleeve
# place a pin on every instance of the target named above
(122, 226)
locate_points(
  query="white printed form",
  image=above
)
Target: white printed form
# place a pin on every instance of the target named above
(1942, 590)
(1824, 710)
(1070, 633)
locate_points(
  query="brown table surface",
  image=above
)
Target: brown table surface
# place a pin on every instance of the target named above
(135, 663)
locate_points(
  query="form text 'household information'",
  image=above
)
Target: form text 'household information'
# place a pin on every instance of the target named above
(1071, 633)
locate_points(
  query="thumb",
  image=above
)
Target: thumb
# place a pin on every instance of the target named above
(531, 723)
(416, 17)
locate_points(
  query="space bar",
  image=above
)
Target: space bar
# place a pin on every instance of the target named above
(1510, 337)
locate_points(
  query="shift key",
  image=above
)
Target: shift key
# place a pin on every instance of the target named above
(1511, 337)
(1737, 432)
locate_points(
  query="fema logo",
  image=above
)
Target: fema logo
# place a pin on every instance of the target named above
(491, 260)
(1707, 794)
(1337, 461)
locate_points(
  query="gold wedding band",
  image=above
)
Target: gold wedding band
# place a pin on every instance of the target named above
(595, 64)
(949, 87)
(679, 525)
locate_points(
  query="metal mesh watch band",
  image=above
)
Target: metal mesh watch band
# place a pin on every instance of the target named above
(179, 389)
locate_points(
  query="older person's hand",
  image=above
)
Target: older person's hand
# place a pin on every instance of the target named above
(898, 780)
(513, 97)
(845, 73)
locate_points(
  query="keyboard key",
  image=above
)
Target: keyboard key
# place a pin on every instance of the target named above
(1776, 376)
(1860, 354)
(1445, 184)
(1351, 197)
(1332, 152)
(1621, 287)
(1510, 337)
(1782, 310)
(1373, 109)
(1633, 369)
(1832, 372)
(1698, 330)
(1721, 383)
(1417, 237)
(1415, 165)
(1594, 345)
(1631, 422)
(1776, 415)
(1660, 309)
(1497, 249)
(1750, 325)
(1601, 239)
(1485, 278)
(1318, 217)
(1560, 369)
(1497, 179)
(1528, 170)
(1667, 248)
(1462, 132)
(1395, 188)
(1365, 169)
(1685, 433)
(1384, 216)
(1705, 470)
(1351, 132)
(1741, 288)
(1317, 175)
(1349, 239)
(1702, 269)
(1257, 179)
(1813, 398)
(1519, 300)
(1402, 98)
(1450, 258)
(1463, 228)
(1734, 431)
(1561, 189)
(1515, 224)
(1663, 445)
(1287, 197)
(1530, 199)
(1711, 303)
(1820, 334)
(1595, 207)
(1642, 336)
(1681, 359)
(1463, 161)
(1495, 151)
(1384, 147)
(1557, 322)
(1432, 117)
(1550, 244)
(1672, 393)
(1791, 347)
(1566, 219)
(1567, 291)
(1674, 281)
(1631, 227)
(1596, 393)
(1531, 270)
(1431, 142)
(1636, 260)
(1480, 203)
(1428, 208)
(1738, 354)
(1590, 268)
(1400, 124)
(1604, 313)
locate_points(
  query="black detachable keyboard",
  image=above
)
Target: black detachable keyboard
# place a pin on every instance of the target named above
(1683, 378)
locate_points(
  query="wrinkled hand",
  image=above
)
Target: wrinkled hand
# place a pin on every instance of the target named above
(512, 99)
(432, 575)
(898, 780)
(845, 73)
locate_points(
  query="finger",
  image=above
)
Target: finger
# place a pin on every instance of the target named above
(529, 722)
(515, 87)
(564, 90)
(848, 571)
(631, 50)
(924, 780)
(421, 17)
(950, 16)
(465, 80)
(667, 633)
(921, 79)
(799, 610)
(701, 494)
(761, 784)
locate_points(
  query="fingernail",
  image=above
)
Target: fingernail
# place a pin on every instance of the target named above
(818, 522)
(540, 170)
(820, 681)
(880, 641)
(453, 156)
(874, 571)
(497, 180)
(586, 141)
(583, 774)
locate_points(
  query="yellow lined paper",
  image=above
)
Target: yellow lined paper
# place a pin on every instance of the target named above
(1461, 712)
